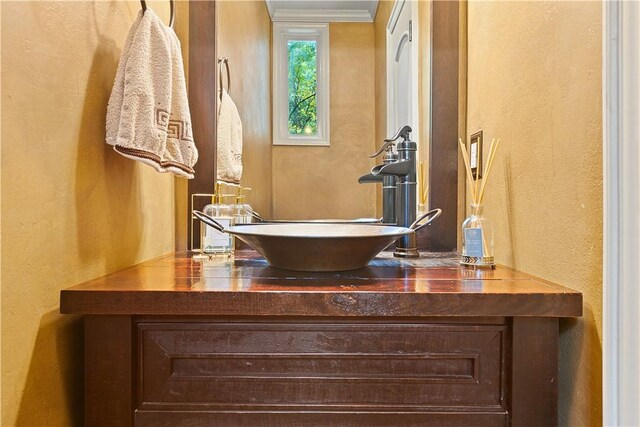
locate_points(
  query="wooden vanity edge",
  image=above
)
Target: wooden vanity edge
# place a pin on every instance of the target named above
(337, 304)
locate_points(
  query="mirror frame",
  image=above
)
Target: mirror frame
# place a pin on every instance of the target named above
(203, 87)
(446, 124)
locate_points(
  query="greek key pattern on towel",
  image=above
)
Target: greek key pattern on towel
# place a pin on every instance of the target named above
(176, 129)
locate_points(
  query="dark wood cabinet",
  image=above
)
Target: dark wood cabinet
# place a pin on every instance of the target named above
(172, 342)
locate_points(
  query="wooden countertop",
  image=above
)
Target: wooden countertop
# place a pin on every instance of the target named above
(177, 284)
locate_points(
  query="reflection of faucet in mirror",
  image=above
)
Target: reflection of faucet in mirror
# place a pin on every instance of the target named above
(388, 183)
(404, 172)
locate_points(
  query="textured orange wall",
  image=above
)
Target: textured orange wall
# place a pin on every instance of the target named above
(244, 36)
(72, 208)
(534, 80)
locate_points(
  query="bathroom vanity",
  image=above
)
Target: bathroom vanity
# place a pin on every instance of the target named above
(175, 341)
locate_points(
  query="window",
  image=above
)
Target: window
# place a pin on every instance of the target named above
(300, 84)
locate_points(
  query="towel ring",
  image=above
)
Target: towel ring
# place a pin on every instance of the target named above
(224, 61)
(172, 16)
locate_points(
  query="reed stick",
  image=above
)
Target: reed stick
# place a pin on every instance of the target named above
(485, 172)
(425, 196)
(420, 181)
(477, 178)
(465, 158)
(424, 188)
(492, 155)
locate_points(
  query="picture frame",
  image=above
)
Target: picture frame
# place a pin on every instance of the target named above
(475, 154)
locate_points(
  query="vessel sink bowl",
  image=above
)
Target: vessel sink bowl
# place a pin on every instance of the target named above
(314, 246)
(319, 246)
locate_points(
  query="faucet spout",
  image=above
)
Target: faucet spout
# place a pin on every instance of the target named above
(388, 183)
(400, 169)
(388, 194)
(370, 178)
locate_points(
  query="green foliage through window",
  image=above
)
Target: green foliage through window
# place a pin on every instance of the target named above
(302, 82)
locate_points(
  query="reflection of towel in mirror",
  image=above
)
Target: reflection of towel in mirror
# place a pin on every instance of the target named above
(229, 141)
(148, 116)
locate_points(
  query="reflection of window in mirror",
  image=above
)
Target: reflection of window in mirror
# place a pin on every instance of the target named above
(300, 84)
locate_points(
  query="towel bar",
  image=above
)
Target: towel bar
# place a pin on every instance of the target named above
(224, 61)
(172, 15)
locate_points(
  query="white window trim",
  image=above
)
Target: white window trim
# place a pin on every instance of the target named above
(621, 176)
(282, 33)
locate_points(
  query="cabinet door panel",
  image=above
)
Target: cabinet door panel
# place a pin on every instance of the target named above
(287, 366)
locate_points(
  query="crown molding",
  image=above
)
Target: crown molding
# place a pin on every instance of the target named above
(311, 14)
(270, 8)
(332, 15)
(373, 9)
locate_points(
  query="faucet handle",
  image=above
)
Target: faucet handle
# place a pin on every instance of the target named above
(403, 133)
(388, 144)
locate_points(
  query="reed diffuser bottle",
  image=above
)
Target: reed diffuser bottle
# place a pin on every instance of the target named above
(477, 239)
(477, 230)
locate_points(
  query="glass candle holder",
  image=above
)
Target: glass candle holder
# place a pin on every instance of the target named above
(477, 239)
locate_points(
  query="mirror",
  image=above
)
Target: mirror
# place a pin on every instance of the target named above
(310, 181)
(376, 84)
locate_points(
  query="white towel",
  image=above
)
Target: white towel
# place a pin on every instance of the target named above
(115, 100)
(148, 115)
(229, 139)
